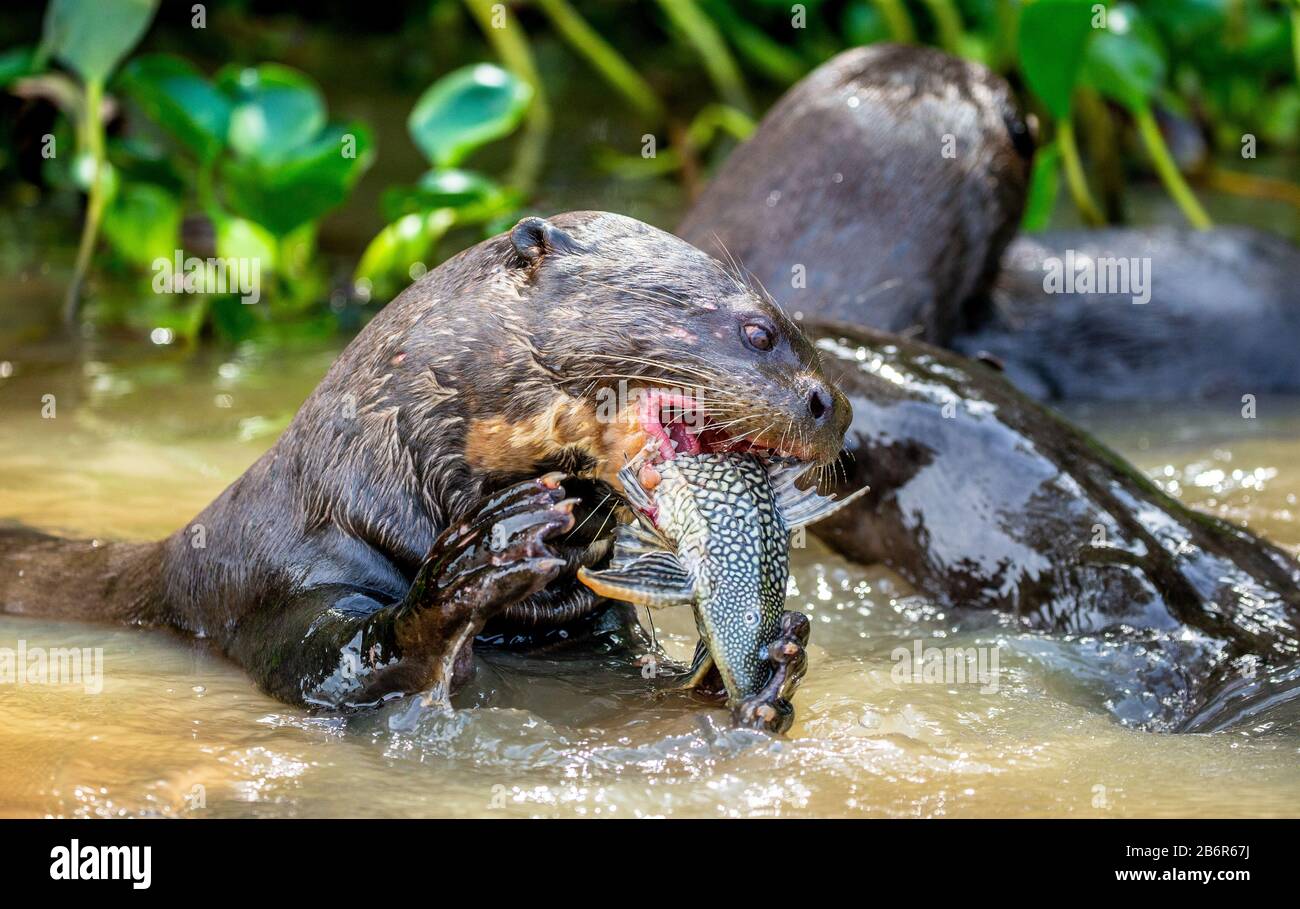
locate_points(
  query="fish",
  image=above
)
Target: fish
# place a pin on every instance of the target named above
(714, 533)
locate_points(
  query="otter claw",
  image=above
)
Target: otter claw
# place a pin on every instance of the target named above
(770, 708)
(484, 565)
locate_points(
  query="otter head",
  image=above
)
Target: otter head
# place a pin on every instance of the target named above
(627, 338)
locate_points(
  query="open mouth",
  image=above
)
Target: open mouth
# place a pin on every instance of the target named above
(675, 424)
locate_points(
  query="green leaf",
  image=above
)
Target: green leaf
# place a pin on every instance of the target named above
(1044, 183)
(17, 63)
(91, 37)
(387, 261)
(466, 109)
(277, 110)
(863, 24)
(462, 190)
(302, 185)
(178, 98)
(1125, 62)
(239, 238)
(143, 223)
(1053, 37)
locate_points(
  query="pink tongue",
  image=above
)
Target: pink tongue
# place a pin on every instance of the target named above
(687, 443)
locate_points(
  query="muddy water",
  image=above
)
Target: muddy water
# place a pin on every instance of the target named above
(140, 443)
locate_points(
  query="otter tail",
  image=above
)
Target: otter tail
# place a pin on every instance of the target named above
(86, 580)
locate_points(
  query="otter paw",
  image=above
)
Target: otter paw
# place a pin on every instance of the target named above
(481, 566)
(770, 708)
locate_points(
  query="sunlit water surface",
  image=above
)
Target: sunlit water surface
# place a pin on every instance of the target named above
(137, 446)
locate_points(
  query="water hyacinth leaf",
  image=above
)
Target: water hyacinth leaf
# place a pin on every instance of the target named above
(297, 248)
(239, 238)
(276, 110)
(1053, 39)
(173, 94)
(91, 37)
(1125, 62)
(466, 109)
(140, 158)
(143, 223)
(300, 186)
(448, 188)
(387, 261)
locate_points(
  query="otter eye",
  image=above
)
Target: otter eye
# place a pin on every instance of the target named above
(758, 336)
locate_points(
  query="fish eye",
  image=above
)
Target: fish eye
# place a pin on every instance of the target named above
(751, 618)
(758, 335)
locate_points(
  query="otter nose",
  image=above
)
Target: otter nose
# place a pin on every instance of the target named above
(820, 403)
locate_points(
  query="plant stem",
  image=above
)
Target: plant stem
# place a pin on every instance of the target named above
(900, 23)
(511, 45)
(1168, 170)
(714, 117)
(1102, 141)
(91, 135)
(204, 192)
(602, 55)
(711, 49)
(1074, 177)
(948, 22)
(1295, 36)
(773, 59)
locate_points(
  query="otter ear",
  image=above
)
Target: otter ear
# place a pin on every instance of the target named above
(536, 238)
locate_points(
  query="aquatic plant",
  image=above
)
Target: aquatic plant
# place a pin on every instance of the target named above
(459, 113)
(1070, 45)
(251, 151)
(258, 158)
(90, 38)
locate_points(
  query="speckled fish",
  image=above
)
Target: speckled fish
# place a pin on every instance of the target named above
(714, 533)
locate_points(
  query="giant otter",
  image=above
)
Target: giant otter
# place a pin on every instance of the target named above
(844, 205)
(982, 498)
(402, 512)
(1203, 314)
(880, 190)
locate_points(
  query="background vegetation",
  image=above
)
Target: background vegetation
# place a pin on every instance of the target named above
(349, 147)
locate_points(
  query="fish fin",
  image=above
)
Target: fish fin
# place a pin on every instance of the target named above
(800, 507)
(632, 489)
(701, 663)
(631, 541)
(655, 579)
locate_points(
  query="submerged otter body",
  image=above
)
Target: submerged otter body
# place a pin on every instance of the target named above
(399, 514)
(879, 190)
(1192, 314)
(982, 498)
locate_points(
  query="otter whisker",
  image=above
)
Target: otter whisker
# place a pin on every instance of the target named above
(650, 362)
(608, 495)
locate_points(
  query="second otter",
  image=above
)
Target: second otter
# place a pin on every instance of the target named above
(882, 191)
